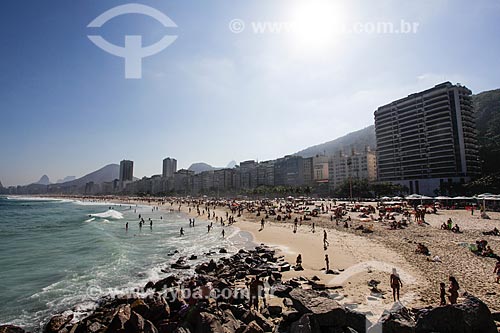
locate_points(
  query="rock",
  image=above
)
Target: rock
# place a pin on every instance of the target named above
(253, 328)
(193, 257)
(290, 316)
(230, 323)
(167, 282)
(287, 302)
(304, 325)
(222, 250)
(326, 312)
(149, 327)
(92, 328)
(10, 329)
(396, 320)
(57, 323)
(158, 308)
(140, 307)
(280, 290)
(274, 310)
(177, 265)
(471, 316)
(120, 318)
(285, 268)
(208, 323)
(373, 283)
(149, 285)
(135, 323)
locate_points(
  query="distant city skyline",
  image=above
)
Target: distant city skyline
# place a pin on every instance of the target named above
(215, 95)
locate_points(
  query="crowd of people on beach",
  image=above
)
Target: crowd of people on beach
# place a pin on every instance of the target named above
(304, 211)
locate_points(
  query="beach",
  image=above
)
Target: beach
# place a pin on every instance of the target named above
(361, 262)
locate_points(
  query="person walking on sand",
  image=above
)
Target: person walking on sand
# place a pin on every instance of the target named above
(223, 233)
(396, 284)
(453, 290)
(327, 262)
(325, 239)
(313, 229)
(182, 231)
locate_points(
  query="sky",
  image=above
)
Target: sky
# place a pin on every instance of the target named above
(221, 91)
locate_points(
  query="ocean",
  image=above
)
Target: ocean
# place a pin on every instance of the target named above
(58, 255)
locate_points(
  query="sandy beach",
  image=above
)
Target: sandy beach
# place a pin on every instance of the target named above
(361, 257)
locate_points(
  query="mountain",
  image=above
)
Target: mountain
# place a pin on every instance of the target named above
(357, 140)
(43, 181)
(66, 179)
(487, 108)
(231, 164)
(200, 167)
(105, 174)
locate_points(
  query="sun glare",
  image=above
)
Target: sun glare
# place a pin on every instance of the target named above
(317, 23)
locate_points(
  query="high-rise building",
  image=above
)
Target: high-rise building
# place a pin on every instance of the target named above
(126, 170)
(428, 139)
(320, 168)
(248, 174)
(289, 171)
(169, 167)
(343, 167)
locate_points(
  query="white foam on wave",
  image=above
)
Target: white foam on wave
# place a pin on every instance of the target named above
(27, 198)
(111, 214)
(90, 220)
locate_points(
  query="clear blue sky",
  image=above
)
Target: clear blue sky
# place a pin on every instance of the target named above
(214, 95)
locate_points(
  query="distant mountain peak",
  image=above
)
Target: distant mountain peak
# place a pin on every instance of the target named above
(44, 180)
(231, 164)
(65, 179)
(201, 167)
(107, 173)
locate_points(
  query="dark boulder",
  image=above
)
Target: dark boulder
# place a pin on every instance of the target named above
(306, 324)
(167, 282)
(10, 329)
(253, 327)
(326, 312)
(396, 320)
(471, 316)
(120, 319)
(57, 323)
(158, 308)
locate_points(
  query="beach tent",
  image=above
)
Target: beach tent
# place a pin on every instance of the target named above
(414, 197)
(397, 198)
(385, 198)
(442, 198)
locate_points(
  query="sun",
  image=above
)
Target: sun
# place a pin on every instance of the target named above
(317, 23)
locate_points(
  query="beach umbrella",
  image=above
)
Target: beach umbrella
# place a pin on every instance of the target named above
(385, 198)
(462, 198)
(397, 198)
(442, 198)
(414, 197)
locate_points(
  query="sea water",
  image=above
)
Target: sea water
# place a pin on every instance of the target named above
(57, 255)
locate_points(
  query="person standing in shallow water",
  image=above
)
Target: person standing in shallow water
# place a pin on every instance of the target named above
(396, 284)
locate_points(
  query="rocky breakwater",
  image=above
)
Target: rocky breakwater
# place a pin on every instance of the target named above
(217, 299)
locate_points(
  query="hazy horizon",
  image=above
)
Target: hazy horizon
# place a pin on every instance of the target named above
(215, 94)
